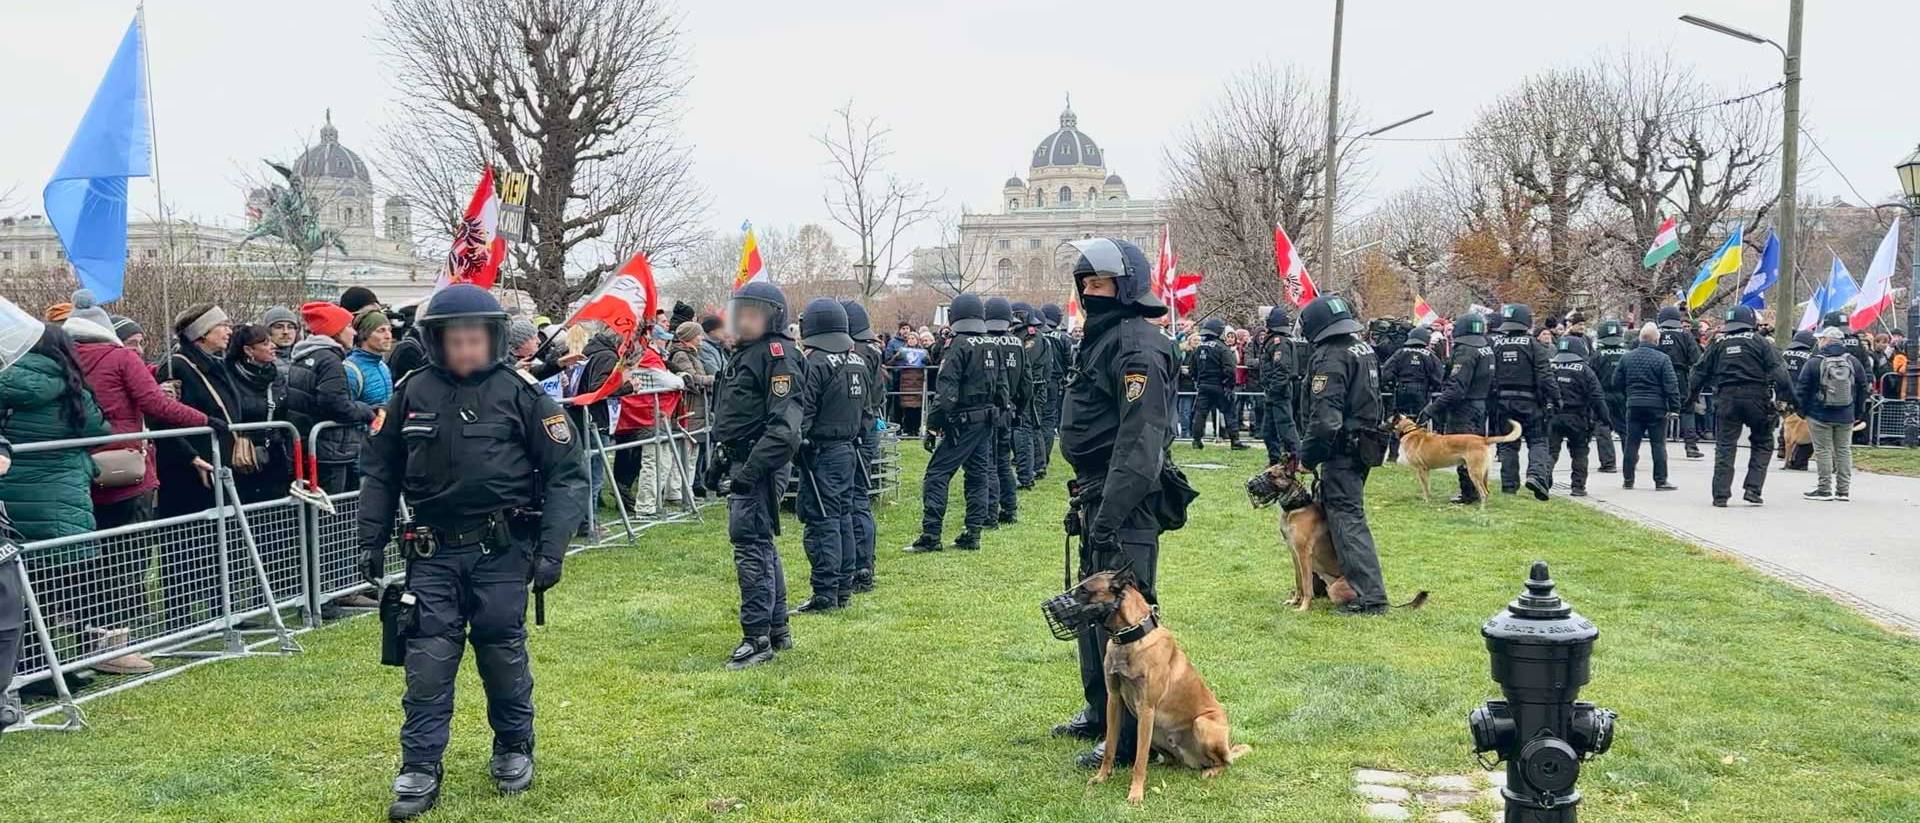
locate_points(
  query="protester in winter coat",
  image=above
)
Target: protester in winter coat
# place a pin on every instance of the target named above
(130, 334)
(283, 327)
(318, 391)
(185, 464)
(253, 365)
(650, 473)
(1646, 377)
(368, 380)
(1832, 393)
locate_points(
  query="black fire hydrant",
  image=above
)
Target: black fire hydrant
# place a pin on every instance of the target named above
(1541, 650)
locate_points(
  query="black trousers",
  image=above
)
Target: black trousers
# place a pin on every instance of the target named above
(1575, 431)
(1215, 399)
(1137, 547)
(1408, 403)
(463, 594)
(1466, 418)
(1505, 412)
(829, 482)
(865, 530)
(1277, 428)
(961, 445)
(1343, 487)
(753, 519)
(1750, 407)
(1603, 434)
(1005, 502)
(1026, 446)
(1649, 424)
(1049, 427)
(1689, 428)
(13, 608)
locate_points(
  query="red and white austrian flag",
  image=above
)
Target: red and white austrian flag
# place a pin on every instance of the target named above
(478, 249)
(1292, 269)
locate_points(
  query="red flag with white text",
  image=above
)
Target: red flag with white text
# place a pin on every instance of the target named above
(1292, 269)
(478, 249)
(623, 302)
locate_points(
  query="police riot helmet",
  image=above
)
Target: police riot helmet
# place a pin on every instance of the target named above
(1052, 313)
(1671, 317)
(1837, 319)
(1213, 327)
(1327, 316)
(763, 297)
(859, 325)
(1613, 332)
(1739, 318)
(1570, 348)
(967, 314)
(1802, 339)
(823, 326)
(999, 314)
(1516, 317)
(1025, 317)
(1125, 265)
(462, 304)
(1421, 337)
(1278, 321)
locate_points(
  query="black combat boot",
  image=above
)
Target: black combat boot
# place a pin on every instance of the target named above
(1538, 488)
(752, 651)
(415, 791)
(924, 543)
(968, 540)
(781, 638)
(1361, 609)
(1082, 725)
(512, 766)
(817, 604)
(1237, 446)
(863, 581)
(1008, 518)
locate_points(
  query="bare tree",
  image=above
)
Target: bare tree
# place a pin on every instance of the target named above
(244, 291)
(865, 198)
(583, 95)
(956, 265)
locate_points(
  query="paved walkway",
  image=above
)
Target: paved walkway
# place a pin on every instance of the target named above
(1863, 553)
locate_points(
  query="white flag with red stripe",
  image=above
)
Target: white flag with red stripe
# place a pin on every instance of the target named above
(1186, 292)
(622, 302)
(1876, 292)
(1292, 268)
(1164, 268)
(1423, 314)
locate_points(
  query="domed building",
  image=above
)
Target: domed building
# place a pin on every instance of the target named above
(1068, 194)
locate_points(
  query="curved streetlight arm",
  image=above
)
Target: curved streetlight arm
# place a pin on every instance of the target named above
(1732, 31)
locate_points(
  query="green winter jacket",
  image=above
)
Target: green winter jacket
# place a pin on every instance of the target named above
(46, 493)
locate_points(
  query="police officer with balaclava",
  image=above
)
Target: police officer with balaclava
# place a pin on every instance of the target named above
(832, 400)
(1583, 407)
(1744, 371)
(965, 399)
(1606, 360)
(1344, 440)
(1036, 368)
(867, 345)
(756, 433)
(1213, 380)
(1678, 343)
(1115, 431)
(1061, 351)
(494, 477)
(1010, 360)
(1281, 358)
(1524, 392)
(1412, 375)
(1461, 407)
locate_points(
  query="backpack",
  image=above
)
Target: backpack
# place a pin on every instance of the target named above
(1836, 380)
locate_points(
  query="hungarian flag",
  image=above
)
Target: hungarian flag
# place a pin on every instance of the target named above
(751, 266)
(1186, 292)
(1292, 269)
(1423, 314)
(623, 302)
(478, 249)
(1666, 241)
(1876, 292)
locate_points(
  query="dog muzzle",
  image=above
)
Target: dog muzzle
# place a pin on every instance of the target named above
(1263, 491)
(1068, 616)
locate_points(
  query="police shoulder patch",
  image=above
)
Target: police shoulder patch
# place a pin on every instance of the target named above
(782, 384)
(557, 429)
(774, 348)
(1319, 383)
(1136, 387)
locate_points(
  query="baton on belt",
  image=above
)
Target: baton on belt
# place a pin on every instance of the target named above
(539, 608)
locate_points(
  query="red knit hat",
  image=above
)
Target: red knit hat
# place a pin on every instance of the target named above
(325, 319)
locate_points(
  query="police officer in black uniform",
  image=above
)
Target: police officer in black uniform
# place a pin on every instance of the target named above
(867, 345)
(1680, 345)
(1281, 371)
(1010, 359)
(1612, 342)
(1061, 351)
(1412, 375)
(1524, 391)
(1744, 370)
(1795, 357)
(1583, 408)
(1036, 371)
(963, 404)
(1213, 380)
(496, 482)
(1461, 407)
(756, 433)
(1345, 440)
(832, 401)
(1115, 430)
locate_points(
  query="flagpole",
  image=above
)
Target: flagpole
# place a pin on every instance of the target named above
(153, 144)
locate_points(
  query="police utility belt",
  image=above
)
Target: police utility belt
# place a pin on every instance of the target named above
(979, 414)
(492, 534)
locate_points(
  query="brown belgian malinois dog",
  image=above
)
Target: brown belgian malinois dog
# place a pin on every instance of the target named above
(1303, 527)
(1426, 451)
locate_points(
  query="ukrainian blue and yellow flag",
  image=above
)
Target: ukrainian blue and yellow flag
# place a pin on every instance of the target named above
(1724, 261)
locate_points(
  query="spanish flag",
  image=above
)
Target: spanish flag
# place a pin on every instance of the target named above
(751, 267)
(1724, 261)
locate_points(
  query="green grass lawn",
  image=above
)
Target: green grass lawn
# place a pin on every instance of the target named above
(1888, 461)
(1741, 699)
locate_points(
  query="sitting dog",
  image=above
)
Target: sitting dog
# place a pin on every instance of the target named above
(1425, 451)
(1177, 714)
(1303, 526)
(1796, 442)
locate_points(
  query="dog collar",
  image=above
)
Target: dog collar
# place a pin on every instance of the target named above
(1136, 631)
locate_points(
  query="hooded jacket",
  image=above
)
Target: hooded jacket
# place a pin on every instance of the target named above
(129, 399)
(317, 391)
(46, 493)
(603, 358)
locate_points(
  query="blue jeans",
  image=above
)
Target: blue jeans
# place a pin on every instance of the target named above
(1185, 405)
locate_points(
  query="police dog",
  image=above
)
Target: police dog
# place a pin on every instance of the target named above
(1796, 442)
(1176, 712)
(1425, 451)
(1303, 526)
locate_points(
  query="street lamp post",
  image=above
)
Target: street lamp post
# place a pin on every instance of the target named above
(1909, 172)
(1333, 138)
(1789, 150)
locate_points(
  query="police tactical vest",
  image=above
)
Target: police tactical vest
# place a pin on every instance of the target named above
(1514, 369)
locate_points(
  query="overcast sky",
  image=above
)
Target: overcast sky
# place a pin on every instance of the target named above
(969, 87)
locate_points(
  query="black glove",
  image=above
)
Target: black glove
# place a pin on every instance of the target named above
(373, 565)
(716, 474)
(739, 485)
(546, 573)
(930, 441)
(219, 427)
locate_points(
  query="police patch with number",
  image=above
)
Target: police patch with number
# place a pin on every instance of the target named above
(1136, 387)
(557, 429)
(782, 384)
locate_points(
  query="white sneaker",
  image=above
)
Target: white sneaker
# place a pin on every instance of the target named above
(1822, 495)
